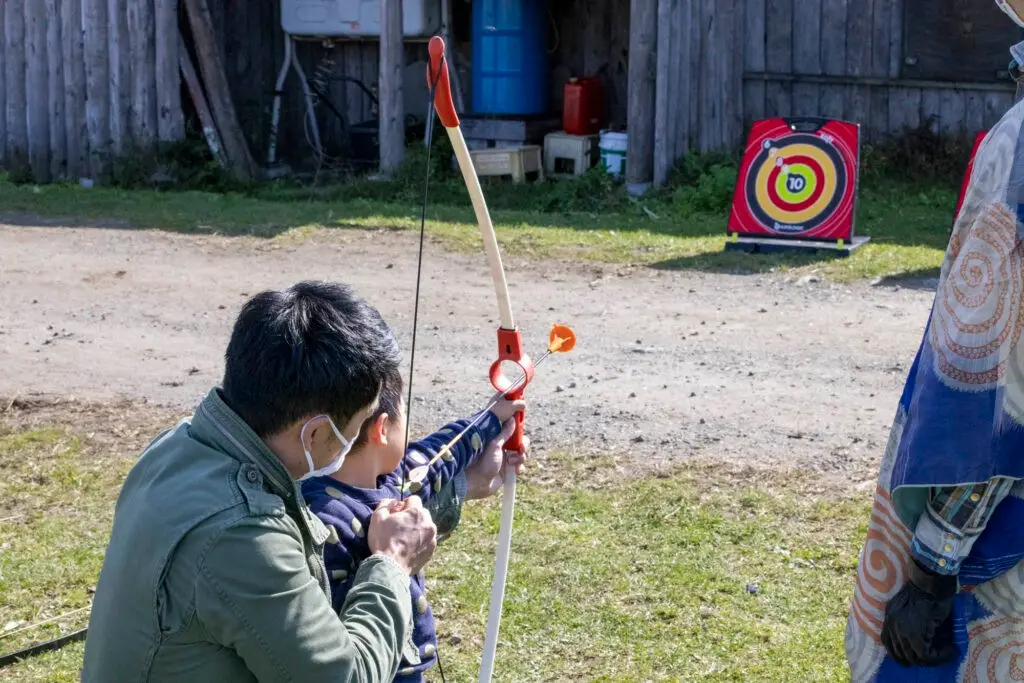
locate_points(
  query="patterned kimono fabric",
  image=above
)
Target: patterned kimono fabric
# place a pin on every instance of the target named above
(960, 420)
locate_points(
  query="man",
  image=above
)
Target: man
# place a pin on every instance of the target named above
(214, 570)
(940, 582)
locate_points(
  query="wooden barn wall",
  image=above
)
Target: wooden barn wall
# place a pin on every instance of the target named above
(253, 49)
(591, 38)
(699, 87)
(850, 68)
(84, 80)
(586, 38)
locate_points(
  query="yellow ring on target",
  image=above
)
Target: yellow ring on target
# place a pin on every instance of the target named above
(828, 181)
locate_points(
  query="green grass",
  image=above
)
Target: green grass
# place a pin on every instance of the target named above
(615, 576)
(909, 225)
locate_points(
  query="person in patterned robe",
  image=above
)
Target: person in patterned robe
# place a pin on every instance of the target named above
(377, 468)
(939, 593)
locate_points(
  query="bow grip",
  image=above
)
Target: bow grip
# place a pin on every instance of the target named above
(510, 349)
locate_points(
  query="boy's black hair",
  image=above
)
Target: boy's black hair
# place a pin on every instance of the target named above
(390, 403)
(314, 348)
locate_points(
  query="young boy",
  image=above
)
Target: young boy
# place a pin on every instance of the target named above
(375, 469)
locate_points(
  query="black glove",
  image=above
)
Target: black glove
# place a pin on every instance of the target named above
(918, 626)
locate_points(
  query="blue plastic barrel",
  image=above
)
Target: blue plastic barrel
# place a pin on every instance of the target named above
(510, 57)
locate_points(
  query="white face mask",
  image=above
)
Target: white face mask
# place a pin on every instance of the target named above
(335, 464)
(1009, 11)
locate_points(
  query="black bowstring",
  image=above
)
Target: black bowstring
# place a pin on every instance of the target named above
(435, 78)
(428, 139)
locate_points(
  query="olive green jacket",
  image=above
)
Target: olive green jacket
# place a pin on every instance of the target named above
(214, 572)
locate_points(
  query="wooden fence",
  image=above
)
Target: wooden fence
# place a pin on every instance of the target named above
(83, 79)
(735, 61)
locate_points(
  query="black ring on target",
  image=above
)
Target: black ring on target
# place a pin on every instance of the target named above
(765, 157)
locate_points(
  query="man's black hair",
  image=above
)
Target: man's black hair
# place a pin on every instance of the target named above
(314, 348)
(390, 403)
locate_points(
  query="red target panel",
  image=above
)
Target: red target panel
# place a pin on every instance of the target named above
(967, 174)
(798, 179)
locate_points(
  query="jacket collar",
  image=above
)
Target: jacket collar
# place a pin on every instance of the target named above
(216, 423)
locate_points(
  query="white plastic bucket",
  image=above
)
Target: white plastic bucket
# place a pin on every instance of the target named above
(613, 151)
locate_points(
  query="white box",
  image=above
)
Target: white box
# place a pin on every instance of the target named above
(581, 150)
(356, 18)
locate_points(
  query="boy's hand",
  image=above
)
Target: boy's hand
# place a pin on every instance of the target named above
(486, 476)
(504, 409)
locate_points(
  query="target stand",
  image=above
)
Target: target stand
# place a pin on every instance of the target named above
(797, 188)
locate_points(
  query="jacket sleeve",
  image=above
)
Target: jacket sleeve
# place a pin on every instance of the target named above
(453, 462)
(256, 595)
(953, 520)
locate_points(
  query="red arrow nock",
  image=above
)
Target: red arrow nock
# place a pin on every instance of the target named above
(437, 79)
(510, 349)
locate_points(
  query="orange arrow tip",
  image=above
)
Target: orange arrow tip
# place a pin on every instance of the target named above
(562, 339)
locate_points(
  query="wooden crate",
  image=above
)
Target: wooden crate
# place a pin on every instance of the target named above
(512, 161)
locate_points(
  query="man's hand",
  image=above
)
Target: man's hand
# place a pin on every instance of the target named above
(404, 532)
(918, 626)
(485, 477)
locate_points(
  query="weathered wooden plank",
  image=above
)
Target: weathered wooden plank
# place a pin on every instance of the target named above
(392, 104)
(931, 109)
(879, 123)
(119, 54)
(351, 63)
(3, 93)
(778, 56)
(895, 38)
(692, 9)
(832, 102)
(859, 57)
(952, 113)
(97, 77)
(683, 76)
(974, 117)
(664, 132)
(754, 55)
(996, 106)
(218, 91)
(779, 36)
(643, 22)
(619, 61)
(778, 99)
(76, 133)
(37, 87)
(170, 121)
(806, 54)
(904, 110)
(708, 81)
(369, 60)
(55, 83)
(141, 19)
(833, 37)
(881, 38)
(734, 127)
(14, 84)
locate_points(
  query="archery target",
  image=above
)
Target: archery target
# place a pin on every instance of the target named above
(799, 184)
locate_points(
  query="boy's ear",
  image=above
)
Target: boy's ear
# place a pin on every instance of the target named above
(378, 434)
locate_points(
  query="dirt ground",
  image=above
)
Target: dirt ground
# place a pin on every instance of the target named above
(766, 370)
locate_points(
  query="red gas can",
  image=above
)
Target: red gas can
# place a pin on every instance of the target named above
(583, 108)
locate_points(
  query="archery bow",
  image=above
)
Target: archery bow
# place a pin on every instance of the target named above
(510, 344)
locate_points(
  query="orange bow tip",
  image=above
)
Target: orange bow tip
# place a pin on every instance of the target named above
(562, 339)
